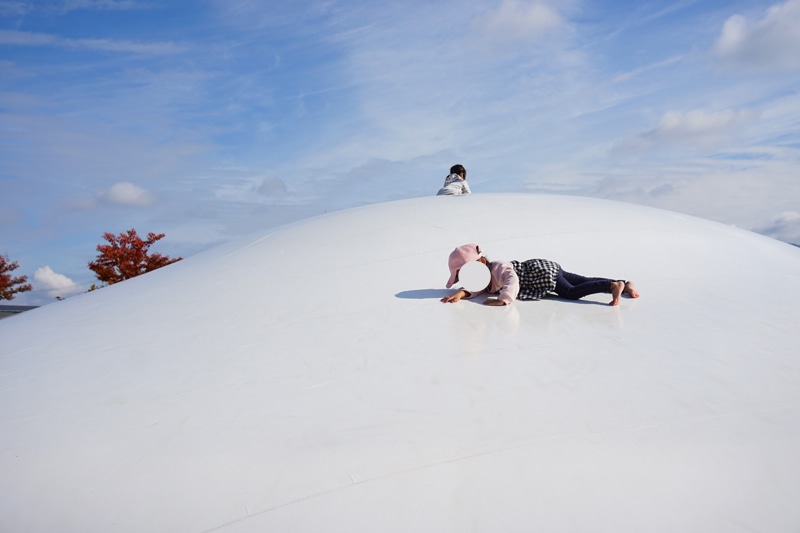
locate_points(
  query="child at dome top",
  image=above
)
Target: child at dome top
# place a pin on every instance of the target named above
(530, 280)
(455, 183)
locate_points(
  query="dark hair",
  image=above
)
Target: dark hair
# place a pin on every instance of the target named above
(458, 169)
(478, 249)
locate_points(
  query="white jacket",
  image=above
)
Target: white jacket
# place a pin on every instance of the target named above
(454, 185)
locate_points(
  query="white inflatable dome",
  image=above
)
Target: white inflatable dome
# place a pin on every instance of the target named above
(309, 379)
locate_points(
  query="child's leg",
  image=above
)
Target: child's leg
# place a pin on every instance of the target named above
(574, 286)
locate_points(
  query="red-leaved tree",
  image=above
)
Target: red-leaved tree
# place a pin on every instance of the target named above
(126, 256)
(9, 286)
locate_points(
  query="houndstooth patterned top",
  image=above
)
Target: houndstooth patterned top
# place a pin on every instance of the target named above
(537, 277)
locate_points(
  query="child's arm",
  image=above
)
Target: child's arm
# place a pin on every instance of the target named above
(510, 284)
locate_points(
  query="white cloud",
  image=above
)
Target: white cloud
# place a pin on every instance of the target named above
(272, 187)
(696, 129)
(516, 19)
(126, 193)
(785, 226)
(701, 125)
(744, 189)
(55, 284)
(772, 43)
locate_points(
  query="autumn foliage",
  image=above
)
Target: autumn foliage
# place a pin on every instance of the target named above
(126, 256)
(9, 286)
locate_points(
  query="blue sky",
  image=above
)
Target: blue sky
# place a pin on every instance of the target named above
(209, 120)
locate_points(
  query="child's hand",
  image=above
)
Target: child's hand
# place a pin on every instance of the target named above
(494, 302)
(453, 298)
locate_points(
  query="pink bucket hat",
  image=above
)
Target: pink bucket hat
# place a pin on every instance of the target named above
(460, 257)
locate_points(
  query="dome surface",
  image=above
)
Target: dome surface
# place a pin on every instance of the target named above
(309, 379)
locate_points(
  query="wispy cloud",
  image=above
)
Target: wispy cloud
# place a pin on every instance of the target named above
(13, 8)
(627, 76)
(103, 5)
(660, 12)
(520, 20)
(644, 14)
(21, 38)
(19, 8)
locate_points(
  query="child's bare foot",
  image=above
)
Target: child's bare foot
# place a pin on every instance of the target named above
(616, 291)
(630, 290)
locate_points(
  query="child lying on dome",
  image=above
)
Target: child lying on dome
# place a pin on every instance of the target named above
(531, 280)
